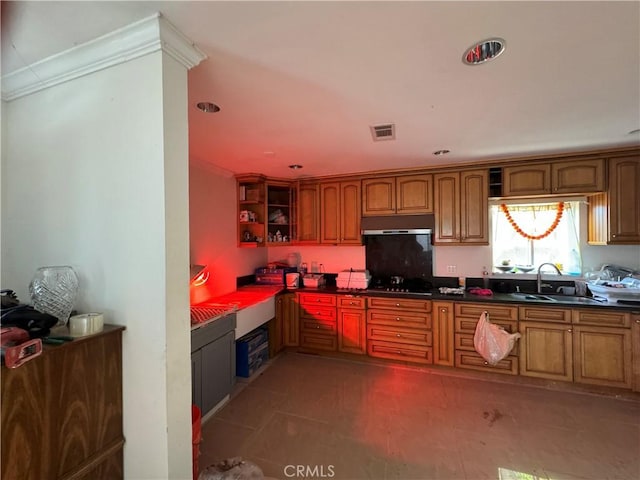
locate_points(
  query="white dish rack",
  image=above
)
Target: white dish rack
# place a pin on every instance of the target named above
(627, 289)
(353, 279)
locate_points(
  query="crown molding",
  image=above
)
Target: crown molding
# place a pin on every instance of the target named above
(145, 36)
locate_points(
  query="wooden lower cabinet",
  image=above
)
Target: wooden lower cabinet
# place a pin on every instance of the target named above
(400, 329)
(318, 321)
(635, 351)
(287, 316)
(466, 316)
(352, 325)
(546, 350)
(62, 411)
(602, 356)
(443, 325)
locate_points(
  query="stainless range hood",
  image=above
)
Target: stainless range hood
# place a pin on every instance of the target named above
(397, 224)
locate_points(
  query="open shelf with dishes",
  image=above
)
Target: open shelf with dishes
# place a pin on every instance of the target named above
(265, 211)
(251, 210)
(279, 214)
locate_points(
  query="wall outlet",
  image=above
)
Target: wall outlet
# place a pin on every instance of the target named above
(451, 269)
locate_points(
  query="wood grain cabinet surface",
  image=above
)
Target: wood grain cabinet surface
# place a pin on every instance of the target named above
(318, 315)
(461, 208)
(62, 411)
(560, 177)
(308, 211)
(614, 216)
(466, 317)
(352, 324)
(406, 194)
(400, 329)
(340, 213)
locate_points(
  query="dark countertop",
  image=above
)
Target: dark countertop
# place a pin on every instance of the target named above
(524, 298)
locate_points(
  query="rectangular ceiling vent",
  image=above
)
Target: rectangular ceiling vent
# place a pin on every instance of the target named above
(383, 132)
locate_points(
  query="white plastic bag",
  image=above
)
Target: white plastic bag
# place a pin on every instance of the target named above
(492, 341)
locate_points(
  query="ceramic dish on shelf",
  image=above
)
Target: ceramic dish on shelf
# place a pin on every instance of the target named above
(504, 268)
(525, 268)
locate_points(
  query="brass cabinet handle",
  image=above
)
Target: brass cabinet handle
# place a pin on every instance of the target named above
(398, 335)
(443, 310)
(398, 319)
(397, 304)
(569, 330)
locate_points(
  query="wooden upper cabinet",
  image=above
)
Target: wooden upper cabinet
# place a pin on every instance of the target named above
(614, 216)
(350, 213)
(461, 205)
(414, 194)
(624, 200)
(379, 196)
(308, 213)
(526, 180)
(578, 176)
(571, 176)
(406, 194)
(340, 212)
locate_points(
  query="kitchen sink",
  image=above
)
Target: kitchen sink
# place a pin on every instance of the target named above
(536, 297)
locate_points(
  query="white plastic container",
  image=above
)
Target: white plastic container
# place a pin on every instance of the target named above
(86, 324)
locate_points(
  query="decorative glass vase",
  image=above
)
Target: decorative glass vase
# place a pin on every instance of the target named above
(54, 291)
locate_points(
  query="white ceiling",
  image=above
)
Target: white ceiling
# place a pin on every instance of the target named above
(301, 82)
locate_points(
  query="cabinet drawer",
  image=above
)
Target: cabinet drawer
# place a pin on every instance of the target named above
(345, 301)
(400, 335)
(401, 319)
(474, 361)
(316, 299)
(319, 342)
(545, 314)
(496, 312)
(601, 318)
(468, 325)
(398, 351)
(400, 303)
(318, 326)
(464, 341)
(318, 312)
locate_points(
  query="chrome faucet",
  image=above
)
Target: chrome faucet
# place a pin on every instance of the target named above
(539, 277)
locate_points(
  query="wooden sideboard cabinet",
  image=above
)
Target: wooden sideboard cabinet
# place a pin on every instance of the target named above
(62, 411)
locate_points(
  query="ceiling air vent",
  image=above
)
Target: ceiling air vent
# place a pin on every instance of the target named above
(383, 132)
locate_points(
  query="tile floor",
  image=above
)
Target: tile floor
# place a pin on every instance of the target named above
(306, 416)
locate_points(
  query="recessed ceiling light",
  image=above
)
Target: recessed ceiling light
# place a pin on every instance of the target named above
(483, 51)
(295, 166)
(633, 132)
(208, 107)
(441, 152)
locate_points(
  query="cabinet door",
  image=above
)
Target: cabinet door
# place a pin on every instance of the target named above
(446, 190)
(352, 331)
(379, 196)
(635, 351)
(546, 351)
(196, 378)
(330, 213)
(602, 356)
(218, 370)
(276, 328)
(474, 207)
(414, 194)
(526, 180)
(350, 213)
(308, 214)
(290, 320)
(578, 176)
(443, 333)
(624, 200)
